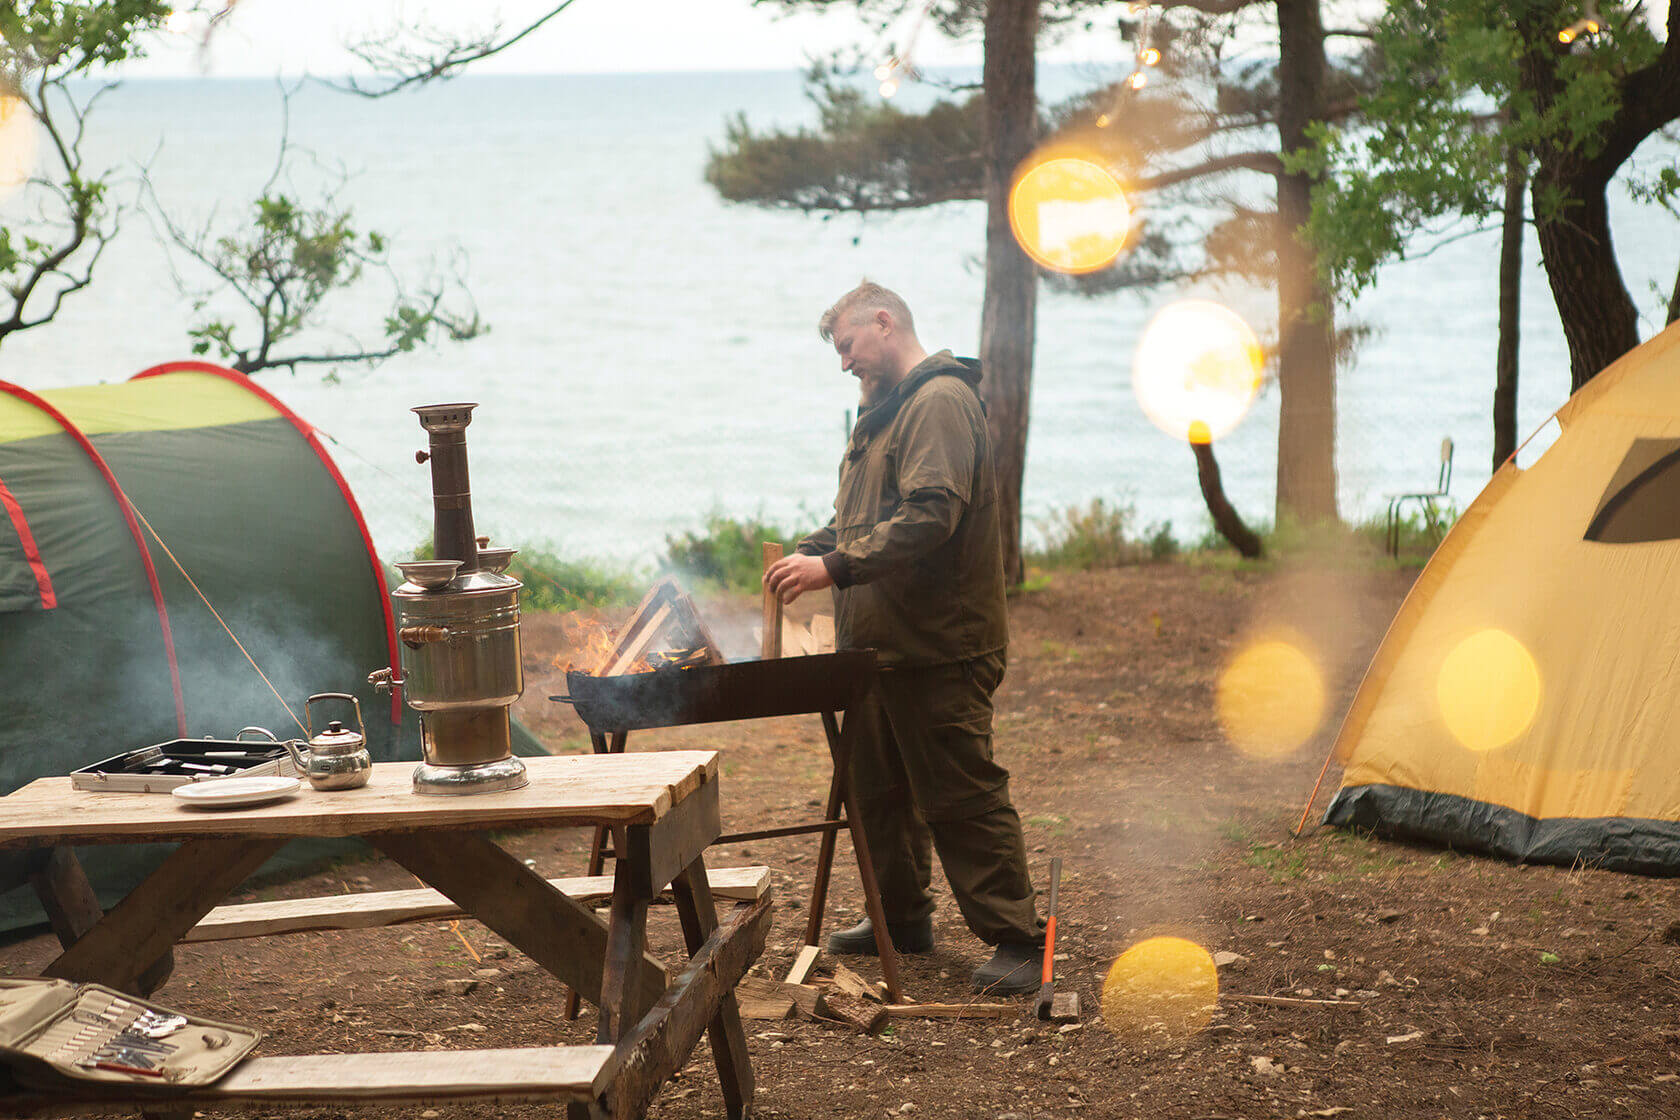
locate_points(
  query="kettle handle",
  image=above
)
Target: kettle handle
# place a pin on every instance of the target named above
(240, 734)
(309, 718)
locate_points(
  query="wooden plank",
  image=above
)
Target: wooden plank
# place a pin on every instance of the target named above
(530, 1073)
(802, 964)
(655, 597)
(661, 1043)
(771, 645)
(561, 935)
(728, 1039)
(141, 928)
(565, 791)
(763, 999)
(697, 635)
(374, 909)
(956, 1010)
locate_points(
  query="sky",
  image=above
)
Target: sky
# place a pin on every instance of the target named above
(264, 37)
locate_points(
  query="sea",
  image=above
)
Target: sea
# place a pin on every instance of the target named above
(652, 356)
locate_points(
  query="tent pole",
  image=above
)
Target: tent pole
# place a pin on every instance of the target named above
(1307, 810)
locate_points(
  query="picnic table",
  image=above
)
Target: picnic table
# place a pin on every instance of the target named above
(662, 811)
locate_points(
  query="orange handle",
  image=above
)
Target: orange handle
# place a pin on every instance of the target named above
(1049, 948)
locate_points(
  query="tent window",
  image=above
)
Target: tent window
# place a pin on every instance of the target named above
(1642, 501)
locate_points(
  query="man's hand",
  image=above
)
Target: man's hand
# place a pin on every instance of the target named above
(792, 576)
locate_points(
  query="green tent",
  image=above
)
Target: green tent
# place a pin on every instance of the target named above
(108, 494)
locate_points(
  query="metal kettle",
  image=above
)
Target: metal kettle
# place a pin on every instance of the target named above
(337, 757)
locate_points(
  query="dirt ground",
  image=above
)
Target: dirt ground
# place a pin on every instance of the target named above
(1483, 990)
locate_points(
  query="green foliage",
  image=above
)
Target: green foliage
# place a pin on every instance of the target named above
(290, 260)
(727, 553)
(72, 38)
(1461, 83)
(1099, 536)
(864, 155)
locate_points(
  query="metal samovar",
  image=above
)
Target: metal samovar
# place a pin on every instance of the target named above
(458, 621)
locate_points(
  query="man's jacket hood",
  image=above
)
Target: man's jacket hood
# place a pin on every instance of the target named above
(942, 364)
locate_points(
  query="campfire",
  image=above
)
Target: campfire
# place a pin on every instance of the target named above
(664, 632)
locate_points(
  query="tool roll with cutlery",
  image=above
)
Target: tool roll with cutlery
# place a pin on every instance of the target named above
(55, 1034)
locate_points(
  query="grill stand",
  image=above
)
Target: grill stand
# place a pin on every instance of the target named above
(610, 741)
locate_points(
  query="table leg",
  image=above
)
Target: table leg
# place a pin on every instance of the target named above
(599, 744)
(125, 945)
(626, 940)
(865, 865)
(558, 933)
(825, 854)
(73, 908)
(698, 913)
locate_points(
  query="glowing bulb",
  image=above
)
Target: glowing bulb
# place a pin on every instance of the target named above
(1103, 121)
(1161, 991)
(1567, 35)
(888, 88)
(1137, 6)
(883, 72)
(1138, 80)
(1592, 27)
(1488, 689)
(1270, 699)
(1068, 213)
(19, 139)
(1197, 370)
(1150, 56)
(178, 22)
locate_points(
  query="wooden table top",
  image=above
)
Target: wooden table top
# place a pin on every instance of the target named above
(564, 791)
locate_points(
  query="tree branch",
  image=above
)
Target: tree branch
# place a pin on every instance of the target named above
(1266, 163)
(417, 68)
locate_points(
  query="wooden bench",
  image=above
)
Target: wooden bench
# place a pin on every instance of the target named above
(375, 909)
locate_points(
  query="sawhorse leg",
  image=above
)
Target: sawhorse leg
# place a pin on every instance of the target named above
(840, 794)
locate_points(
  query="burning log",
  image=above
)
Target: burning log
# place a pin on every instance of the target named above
(667, 612)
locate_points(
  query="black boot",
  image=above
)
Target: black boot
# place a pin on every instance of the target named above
(907, 937)
(1013, 969)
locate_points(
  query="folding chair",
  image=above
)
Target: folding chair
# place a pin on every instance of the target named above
(1431, 512)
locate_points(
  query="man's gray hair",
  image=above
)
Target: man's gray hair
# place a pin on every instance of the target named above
(866, 297)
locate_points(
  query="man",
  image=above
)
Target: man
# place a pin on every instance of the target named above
(915, 556)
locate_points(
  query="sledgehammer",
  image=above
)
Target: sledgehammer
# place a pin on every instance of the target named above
(1050, 1006)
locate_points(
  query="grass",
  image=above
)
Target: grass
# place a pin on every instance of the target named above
(1100, 535)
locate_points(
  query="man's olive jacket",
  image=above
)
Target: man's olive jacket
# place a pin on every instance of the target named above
(914, 545)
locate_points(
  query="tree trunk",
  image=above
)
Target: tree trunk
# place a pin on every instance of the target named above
(1600, 323)
(1306, 464)
(1510, 305)
(1674, 303)
(1007, 317)
(1225, 517)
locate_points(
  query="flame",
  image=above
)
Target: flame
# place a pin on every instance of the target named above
(587, 644)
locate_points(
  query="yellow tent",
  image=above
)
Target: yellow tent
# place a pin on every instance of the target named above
(1526, 699)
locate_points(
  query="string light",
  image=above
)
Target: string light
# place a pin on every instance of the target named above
(899, 68)
(1148, 55)
(1587, 25)
(1138, 80)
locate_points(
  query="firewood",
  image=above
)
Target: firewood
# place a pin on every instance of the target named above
(850, 983)
(867, 1017)
(772, 640)
(764, 999)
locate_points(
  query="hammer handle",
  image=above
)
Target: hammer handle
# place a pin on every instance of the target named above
(1050, 921)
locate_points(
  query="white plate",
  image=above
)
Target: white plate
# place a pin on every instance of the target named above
(232, 793)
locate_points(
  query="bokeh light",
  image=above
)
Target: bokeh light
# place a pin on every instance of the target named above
(1197, 370)
(1488, 689)
(1271, 698)
(1068, 212)
(1162, 990)
(19, 139)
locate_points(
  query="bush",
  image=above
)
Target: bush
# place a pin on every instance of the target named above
(727, 553)
(1096, 536)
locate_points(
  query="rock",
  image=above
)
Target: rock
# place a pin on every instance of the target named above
(1264, 1066)
(1386, 978)
(1671, 935)
(459, 987)
(1224, 958)
(1410, 1036)
(429, 1114)
(488, 973)
(1387, 917)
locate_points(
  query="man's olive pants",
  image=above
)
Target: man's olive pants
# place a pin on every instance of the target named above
(924, 779)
